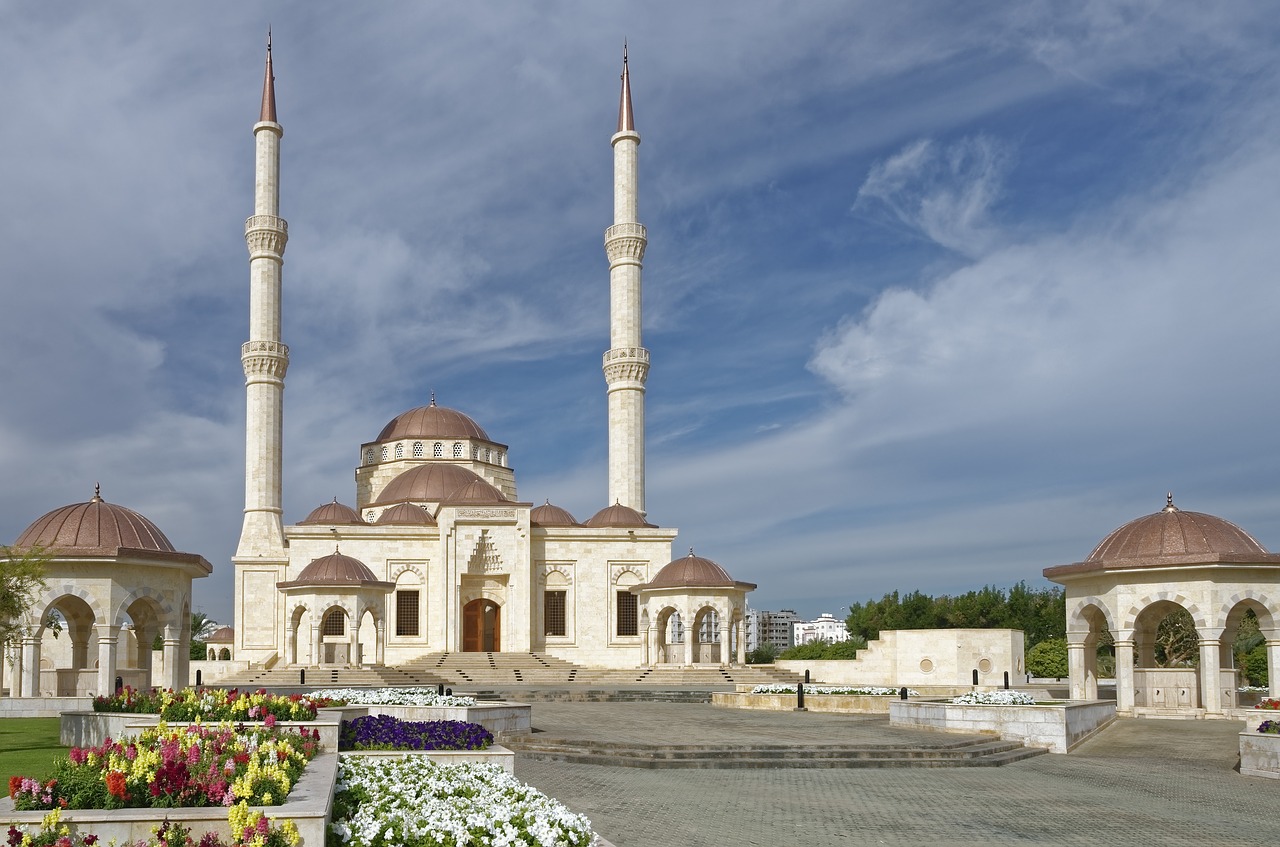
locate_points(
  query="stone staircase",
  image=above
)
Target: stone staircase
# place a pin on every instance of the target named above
(497, 672)
(944, 754)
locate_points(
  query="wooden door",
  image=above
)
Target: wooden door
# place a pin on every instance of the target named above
(481, 627)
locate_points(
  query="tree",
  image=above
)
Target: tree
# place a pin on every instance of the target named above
(821, 650)
(1040, 613)
(1048, 658)
(765, 654)
(1177, 643)
(1255, 665)
(21, 580)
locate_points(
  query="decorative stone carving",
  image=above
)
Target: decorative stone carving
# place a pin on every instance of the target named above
(487, 514)
(485, 558)
(625, 241)
(266, 235)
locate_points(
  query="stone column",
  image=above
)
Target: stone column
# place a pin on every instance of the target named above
(1210, 678)
(108, 637)
(726, 658)
(1124, 677)
(314, 649)
(380, 656)
(29, 667)
(172, 665)
(354, 656)
(1075, 669)
(1273, 666)
(742, 641)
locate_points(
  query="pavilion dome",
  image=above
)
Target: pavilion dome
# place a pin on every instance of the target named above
(475, 493)
(617, 515)
(432, 483)
(432, 421)
(334, 569)
(94, 527)
(222, 635)
(405, 514)
(550, 515)
(1172, 535)
(330, 514)
(692, 572)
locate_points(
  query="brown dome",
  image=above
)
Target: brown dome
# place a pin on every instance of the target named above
(430, 483)
(549, 515)
(222, 635)
(405, 514)
(617, 515)
(95, 527)
(692, 571)
(476, 493)
(432, 421)
(1174, 534)
(332, 513)
(334, 569)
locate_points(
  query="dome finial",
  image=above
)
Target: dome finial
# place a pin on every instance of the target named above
(97, 493)
(690, 551)
(433, 398)
(626, 118)
(1168, 503)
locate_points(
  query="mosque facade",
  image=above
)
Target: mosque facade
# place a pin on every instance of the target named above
(438, 552)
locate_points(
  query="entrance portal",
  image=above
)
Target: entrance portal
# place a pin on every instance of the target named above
(481, 627)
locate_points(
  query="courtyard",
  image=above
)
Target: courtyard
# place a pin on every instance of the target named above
(1136, 782)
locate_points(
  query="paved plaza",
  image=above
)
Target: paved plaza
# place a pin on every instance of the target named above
(1136, 782)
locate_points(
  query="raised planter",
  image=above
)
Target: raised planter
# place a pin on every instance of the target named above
(1058, 727)
(494, 754)
(1260, 753)
(91, 729)
(309, 805)
(872, 704)
(499, 717)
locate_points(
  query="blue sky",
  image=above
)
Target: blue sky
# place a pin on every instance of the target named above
(936, 295)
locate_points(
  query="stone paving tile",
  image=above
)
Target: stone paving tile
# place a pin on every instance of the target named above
(1137, 782)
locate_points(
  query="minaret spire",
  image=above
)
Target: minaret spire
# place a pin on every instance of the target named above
(261, 557)
(626, 363)
(269, 88)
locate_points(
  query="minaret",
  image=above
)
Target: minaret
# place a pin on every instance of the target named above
(264, 357)
(626, 363)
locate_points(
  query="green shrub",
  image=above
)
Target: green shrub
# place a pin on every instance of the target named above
(820, 650)
(1048, 658)
(765, 654)
(1255, 665)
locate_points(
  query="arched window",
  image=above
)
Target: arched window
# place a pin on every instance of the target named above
(437, 450)
(457, 450)
(368, 456)
(475, 452)
(399, 451)
(335, 623)
(368, 516)
(417, 449)
(488, 456)
(384, 454)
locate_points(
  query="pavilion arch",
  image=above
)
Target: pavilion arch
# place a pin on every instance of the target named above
(1079, 617)
(298, 643)
(1233, 609)
(158, 602)
(704, 634)
(666, 649)
(56, 594)
(1141, 607)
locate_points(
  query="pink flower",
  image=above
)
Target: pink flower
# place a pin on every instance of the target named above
(269, 720)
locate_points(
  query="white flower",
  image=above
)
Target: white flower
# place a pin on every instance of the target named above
(863, 690)
(995, 698)
(393, 697)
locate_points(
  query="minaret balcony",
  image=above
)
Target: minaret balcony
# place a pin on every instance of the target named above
(266, 235)
(626, 365)
(625, 241)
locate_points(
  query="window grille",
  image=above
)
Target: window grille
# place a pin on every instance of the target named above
(399, 451)
(406, 613)
(437, 450)
(335, 623)
(553, 613)
(628, 619)
(417, 449)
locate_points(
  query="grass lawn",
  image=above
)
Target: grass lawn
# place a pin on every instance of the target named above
(27, 748)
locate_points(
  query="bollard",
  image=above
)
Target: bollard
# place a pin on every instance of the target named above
(440, 690)
(1006, 680)
(448, 692)
(198, 678)
(302, 676)
(902, 693)
(800, 697)
(119, 683)
(806, 676)
(975, 676)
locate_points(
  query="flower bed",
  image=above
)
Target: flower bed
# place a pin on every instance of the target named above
(170, 767)
(863, 690)
(1272, 703)
(211, 704)
(387, 732)
(392, 697)
(249, 828)
(382, 802)
(995, 698)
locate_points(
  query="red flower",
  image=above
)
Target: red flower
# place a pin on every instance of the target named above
(116, 784)
(15, 782)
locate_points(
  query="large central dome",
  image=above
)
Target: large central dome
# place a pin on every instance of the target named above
(438, 483)
(432, 421)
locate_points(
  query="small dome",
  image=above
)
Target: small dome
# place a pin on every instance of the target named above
(94, 527)
(692, 571)
(432, 421)
(222, 635)
(617, 515)
(549, 515)
(334, 569)
(476, 493)
(430, 483)
(330, 514)
(405, 514)
(1172, 534)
